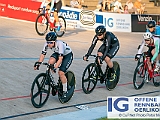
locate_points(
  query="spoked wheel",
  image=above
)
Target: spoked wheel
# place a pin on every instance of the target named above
(40, 90)
(71, 83)
(139, 76)
(156, 79)
(41, 24)
(63, 27)
(89, 78)
(110, 85)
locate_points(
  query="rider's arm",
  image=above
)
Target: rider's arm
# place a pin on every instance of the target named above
(156, 50)
(141, 47)
(58, 62)
(44, 52)
(94, 41)
(61, 46)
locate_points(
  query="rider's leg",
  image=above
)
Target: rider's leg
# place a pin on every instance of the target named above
(56, 10)
(63, 79)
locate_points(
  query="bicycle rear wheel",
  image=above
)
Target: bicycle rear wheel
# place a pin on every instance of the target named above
(41, 24)
(139, 76)
(156, 79)
(110, 85)
(89, 78)
(71, 83)
(40, 90)
(63, 27)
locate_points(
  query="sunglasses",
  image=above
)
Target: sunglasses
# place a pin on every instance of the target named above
(99, 34)
(49, 42)
(147, 39)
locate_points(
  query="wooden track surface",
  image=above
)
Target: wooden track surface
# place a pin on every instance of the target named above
(20, 47)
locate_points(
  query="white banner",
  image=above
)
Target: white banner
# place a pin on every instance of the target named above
(133, 107)
(117, 22)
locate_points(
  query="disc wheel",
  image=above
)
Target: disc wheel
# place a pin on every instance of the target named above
(139, 76)
(89, 78)
(110, 85)
(40, 90)
(71, 83)
(41, 24)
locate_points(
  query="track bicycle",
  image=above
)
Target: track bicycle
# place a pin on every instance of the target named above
(93, 73)
(44, 20)
(142, 73)
(44, 83)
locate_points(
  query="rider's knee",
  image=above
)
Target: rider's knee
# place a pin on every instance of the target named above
(107, 59)
(61, 73)
(99, 54)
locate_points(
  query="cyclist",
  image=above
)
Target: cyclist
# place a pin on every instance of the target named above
(155, 30)
(62, 56)
(107, 50)
(154, 47)
(55, 5)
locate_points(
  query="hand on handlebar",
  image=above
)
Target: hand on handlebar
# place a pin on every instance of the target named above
(137, 56)
(85, 58)
(36, 65)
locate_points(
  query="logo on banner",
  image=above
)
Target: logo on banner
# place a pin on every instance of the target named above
(110, 22)
(144, 18)
(69, 14)
(87, 17)
(133, 107)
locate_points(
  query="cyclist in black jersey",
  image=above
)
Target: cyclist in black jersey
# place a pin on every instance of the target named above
(62, 56)
(108, 49)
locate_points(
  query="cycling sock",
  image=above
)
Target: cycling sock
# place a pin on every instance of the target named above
(112, 70)
(65, 86)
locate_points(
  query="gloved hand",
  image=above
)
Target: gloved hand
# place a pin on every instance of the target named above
(36, 65)
(85, 58)
(137, 56)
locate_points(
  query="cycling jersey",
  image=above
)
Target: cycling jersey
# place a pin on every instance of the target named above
(109, 47)
(156, 32)
(156, 45)
(60, 47)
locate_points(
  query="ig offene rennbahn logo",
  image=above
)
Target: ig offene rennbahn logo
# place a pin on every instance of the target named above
(87, 17)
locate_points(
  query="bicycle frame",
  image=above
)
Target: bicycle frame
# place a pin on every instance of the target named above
(100, 72)
(146, 59)
(47, 15)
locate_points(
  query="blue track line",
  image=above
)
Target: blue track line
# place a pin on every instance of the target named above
(10, 59)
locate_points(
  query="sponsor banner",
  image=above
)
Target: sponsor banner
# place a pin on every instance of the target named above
(20, 9)
(139, 22)
(117, 22)
(84, 19)
(133, 107)
(3, 7)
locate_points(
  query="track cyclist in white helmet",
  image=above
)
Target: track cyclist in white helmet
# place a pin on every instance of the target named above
(155, 31)
(154, 48)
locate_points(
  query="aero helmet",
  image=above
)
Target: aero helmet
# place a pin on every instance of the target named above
(100, 30)
(147, 35)
(51, 36)
(151, 24)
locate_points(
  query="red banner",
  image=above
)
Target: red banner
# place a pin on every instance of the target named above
(19, 9)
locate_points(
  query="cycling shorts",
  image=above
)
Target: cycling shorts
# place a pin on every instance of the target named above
(112, 50)
(66, 62)
(57, 6)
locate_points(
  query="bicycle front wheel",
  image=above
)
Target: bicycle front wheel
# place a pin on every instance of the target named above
(40, 90)
(62, 22)
(89, 78)
(41, 24)
(139, 76)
